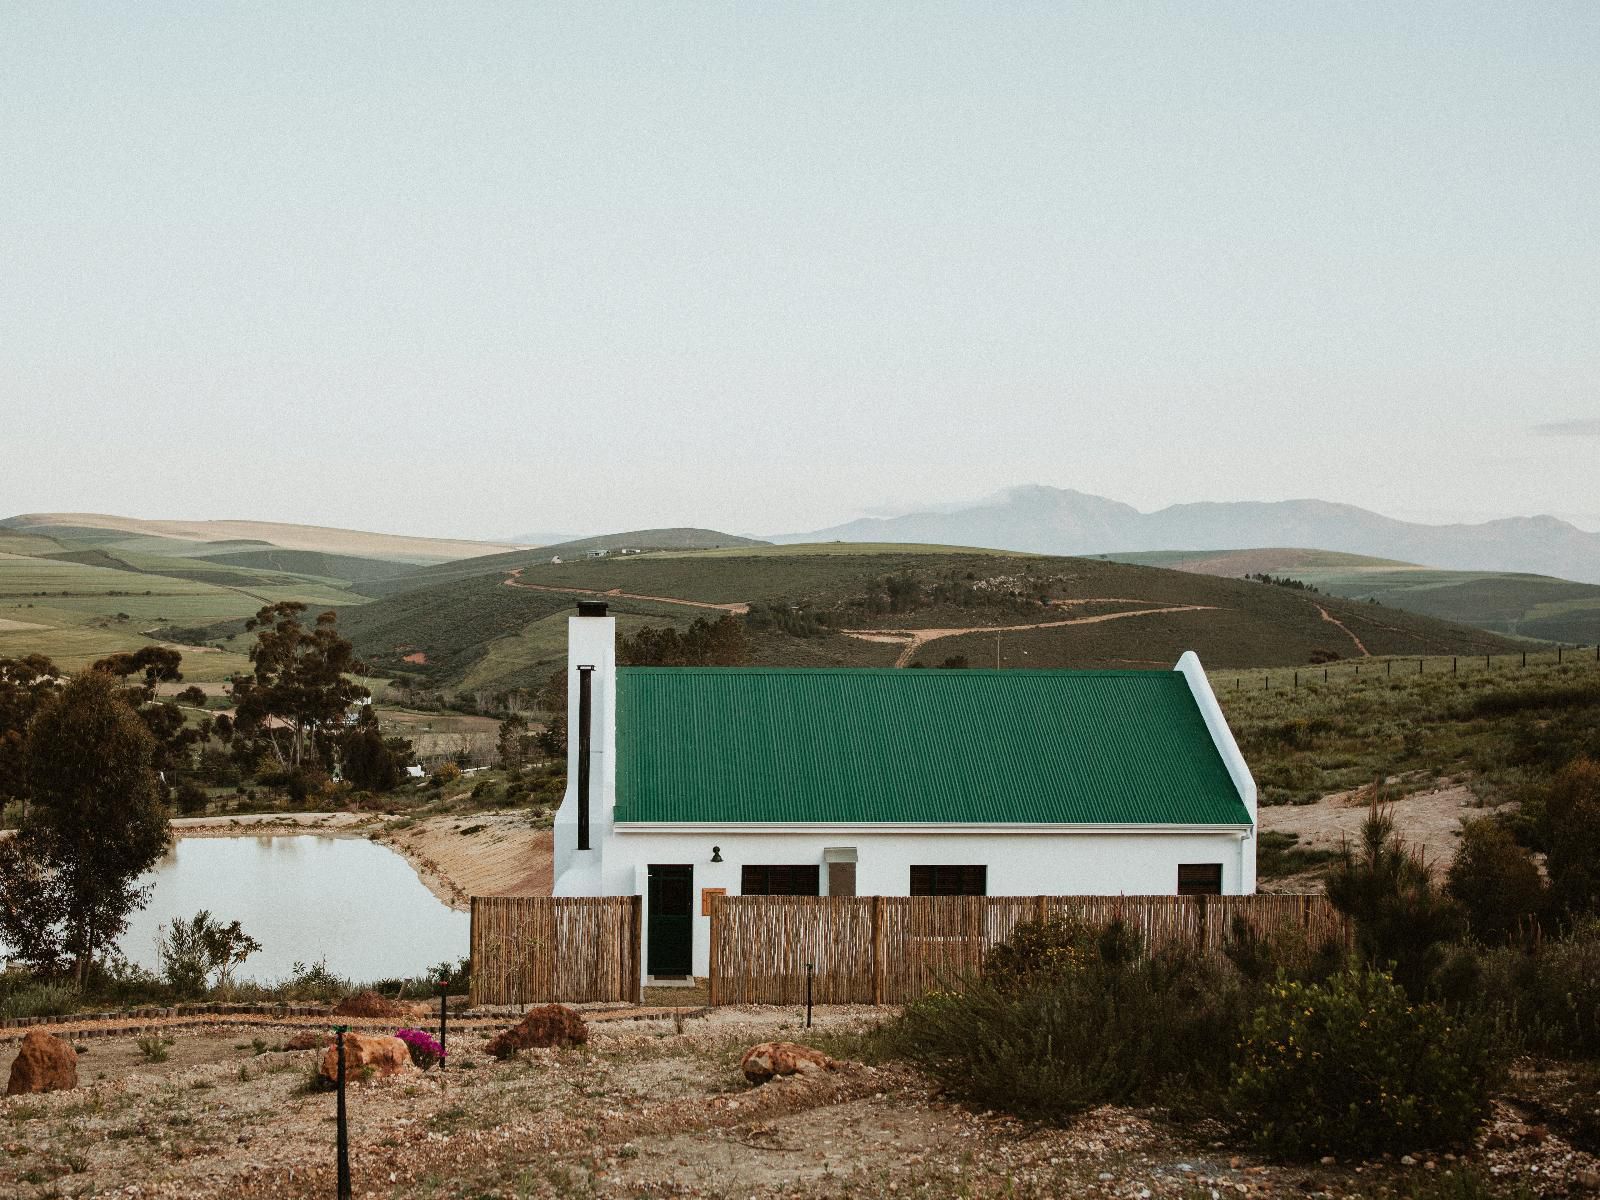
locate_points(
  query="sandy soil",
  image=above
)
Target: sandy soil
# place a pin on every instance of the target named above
(457, 857)
(648, 1108)
(1430, 821)
(7, 625)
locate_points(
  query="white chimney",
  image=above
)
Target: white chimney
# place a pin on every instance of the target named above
(584, 819)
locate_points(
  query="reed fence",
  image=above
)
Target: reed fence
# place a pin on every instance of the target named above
(892, 949)
(566, 949)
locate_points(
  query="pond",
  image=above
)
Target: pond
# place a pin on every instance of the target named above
(305, 898)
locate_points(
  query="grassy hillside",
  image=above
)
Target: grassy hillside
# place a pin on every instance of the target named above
(82, 593)
(325, 540)
(652, 541)
(1518, 605)
(1495, 724)
(506, 628)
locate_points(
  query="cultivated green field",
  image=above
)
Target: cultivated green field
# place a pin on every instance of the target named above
(80, 594)
(1517, 605)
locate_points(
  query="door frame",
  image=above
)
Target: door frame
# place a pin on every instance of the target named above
(651, 962)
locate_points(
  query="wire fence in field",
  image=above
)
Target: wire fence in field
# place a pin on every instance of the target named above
(1379, 668)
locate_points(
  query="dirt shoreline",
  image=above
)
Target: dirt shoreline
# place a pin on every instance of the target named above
(455, 856)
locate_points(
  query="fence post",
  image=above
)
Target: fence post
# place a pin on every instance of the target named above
(635, 948)
(473, 991)
(342, 1131)
(877, 949)
(1041, 909)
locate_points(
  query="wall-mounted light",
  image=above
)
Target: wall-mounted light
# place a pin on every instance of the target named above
(716, 854)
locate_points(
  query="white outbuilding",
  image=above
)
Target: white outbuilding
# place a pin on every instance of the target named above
(684, 781)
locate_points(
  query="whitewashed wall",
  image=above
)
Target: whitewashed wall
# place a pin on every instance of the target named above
(1139, 863)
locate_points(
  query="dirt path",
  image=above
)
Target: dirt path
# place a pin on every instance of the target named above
(914, 639)
(512, 580)
(456, 856)
(1333, 620)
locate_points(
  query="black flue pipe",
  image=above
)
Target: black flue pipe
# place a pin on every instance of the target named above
(585, 715)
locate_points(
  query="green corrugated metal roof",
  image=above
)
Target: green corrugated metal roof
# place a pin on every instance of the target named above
(837, 746)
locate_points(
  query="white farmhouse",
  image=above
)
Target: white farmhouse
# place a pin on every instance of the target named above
(763, 781)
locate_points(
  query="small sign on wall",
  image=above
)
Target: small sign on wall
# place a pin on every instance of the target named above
(705, 899)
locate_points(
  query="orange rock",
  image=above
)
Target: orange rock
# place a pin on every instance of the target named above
(44, 1064)
(545, 1025)
(761, 1062)
(367, 1057)
(308, 1039)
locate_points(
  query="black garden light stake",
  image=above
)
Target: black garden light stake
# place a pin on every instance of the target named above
(444, 993)
(343, 1123)
(811, 969)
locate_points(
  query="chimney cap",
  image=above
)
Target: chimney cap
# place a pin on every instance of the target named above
(592, 608)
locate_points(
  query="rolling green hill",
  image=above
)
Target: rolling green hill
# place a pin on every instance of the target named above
(506, 628)
(651, 541)
(1517, 605)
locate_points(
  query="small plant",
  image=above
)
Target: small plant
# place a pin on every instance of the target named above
(192, 951)
(1352, 1067)
(154, 1049)
(425, 1051)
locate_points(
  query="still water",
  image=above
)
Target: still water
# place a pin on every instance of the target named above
(352, 902)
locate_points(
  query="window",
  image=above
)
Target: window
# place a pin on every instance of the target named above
(1199, 879)
(950, 881)
(761, 880)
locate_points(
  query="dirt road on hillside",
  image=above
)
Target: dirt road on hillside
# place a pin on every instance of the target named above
(914, 639)
(513, 580)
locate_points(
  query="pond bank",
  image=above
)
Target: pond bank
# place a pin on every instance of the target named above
(455, 856)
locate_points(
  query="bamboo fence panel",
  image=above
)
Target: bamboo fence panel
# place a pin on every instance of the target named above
(567, 949)
(891, 949)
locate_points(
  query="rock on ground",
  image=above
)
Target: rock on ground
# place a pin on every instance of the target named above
(44, 1064)
(544, 1026)
(766, 1059)
(384, 1055)
(307, 1039)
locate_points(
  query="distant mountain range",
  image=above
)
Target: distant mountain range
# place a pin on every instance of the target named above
(1048, 520)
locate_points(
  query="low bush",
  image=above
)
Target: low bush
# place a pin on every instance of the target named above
(1086, 1029)
(1550, 996)
(1353, 1067)
(22, 996)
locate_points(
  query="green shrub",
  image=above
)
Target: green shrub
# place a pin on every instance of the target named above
(21, 996)
(1353, 1067)
(191, 798)
(1403, 922)
(1047, 1044)
(154, 1049)
(1496, 882)
(1550, 997)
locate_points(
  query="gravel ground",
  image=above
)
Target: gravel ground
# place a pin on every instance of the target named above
(644, 1110)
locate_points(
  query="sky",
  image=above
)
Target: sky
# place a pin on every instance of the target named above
(488, 269)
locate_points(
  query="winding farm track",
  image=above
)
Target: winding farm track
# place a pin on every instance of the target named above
(1333, 620)
(512, 580)
(915, 639)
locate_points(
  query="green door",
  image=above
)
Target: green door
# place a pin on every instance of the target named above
(671, 920)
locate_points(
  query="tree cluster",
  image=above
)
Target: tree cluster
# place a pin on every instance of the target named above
(719, 643)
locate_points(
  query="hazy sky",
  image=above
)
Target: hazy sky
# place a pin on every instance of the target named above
(485, 269)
